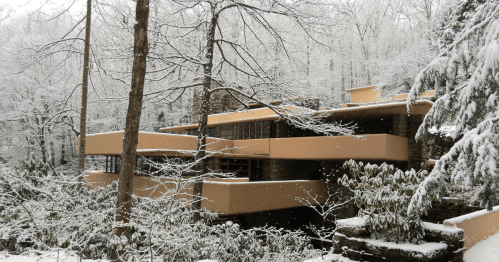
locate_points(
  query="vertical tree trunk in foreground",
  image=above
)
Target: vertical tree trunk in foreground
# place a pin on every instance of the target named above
(130, 139)
(203, 118)
(84, 88)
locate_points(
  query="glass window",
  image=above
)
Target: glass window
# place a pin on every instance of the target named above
(252, 130)
(238, 166)
(113, 164)
(227, 131)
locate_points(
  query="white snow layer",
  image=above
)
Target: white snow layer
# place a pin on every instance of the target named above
(445, 230)
(460, 219)
(354, 222)
(444, 130)
(40, 256)
(330, 258)
(54, 256)
(485, 251)
(428, 249)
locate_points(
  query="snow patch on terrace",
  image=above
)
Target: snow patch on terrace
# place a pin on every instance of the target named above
(354, 222)
(259, 182)
(428, 249)
(445, 230)
(330, 258)
(460, 219)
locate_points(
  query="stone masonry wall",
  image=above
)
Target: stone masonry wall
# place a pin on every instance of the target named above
(354, 243)
(400, 125)
(418, 149)
(220, 101)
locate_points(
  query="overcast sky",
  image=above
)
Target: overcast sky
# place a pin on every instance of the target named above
(19, 7)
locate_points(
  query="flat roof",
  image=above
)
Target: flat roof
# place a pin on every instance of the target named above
(359, 88)
(420, 107)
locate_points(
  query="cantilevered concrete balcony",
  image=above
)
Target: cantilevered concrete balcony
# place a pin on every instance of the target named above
(227, 196)
(383, 147)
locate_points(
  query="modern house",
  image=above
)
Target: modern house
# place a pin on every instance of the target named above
(273, 161)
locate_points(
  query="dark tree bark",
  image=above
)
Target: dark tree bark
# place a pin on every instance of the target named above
(130, 139)
(84, 88)
(203, 117)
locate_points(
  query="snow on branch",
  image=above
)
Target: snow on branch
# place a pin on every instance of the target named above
(465, 76)
(303, 118)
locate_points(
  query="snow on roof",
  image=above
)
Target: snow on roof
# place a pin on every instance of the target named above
(460, 219)
(360, 108)
(104, 133)
(360, 88)
(373, 106)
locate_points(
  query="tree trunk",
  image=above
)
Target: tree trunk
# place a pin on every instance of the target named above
(130, 139)
(84, 88)
(203, 116)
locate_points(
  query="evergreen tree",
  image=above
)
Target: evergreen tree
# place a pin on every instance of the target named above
(465, 76)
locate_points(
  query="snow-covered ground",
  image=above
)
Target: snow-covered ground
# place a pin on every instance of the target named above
(485, 251)
(52, 256)
(330, 258)
(63, 256)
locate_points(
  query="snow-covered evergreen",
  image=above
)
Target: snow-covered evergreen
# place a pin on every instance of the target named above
(466, 78)
(383, 194)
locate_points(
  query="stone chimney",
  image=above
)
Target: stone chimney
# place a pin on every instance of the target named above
(220, 101)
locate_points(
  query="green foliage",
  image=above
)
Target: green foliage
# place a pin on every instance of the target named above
(383, 194)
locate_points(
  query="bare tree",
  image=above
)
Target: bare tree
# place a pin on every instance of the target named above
(84, 91)
(130, 139)
(262, 28)
(325, 208)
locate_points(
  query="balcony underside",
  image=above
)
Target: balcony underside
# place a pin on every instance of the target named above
(383, 147)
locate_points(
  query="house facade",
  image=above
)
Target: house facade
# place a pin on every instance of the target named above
(273, 162)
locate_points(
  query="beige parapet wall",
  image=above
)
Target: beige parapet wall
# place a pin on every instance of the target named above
(249, 197)
(372, 94)
(155, 143)
(226, 196)
(477, 226)
(365, 147)
(382, 147)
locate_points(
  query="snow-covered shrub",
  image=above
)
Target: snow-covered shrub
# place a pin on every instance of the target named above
(228, 242)
(225, 242)
(41, 209)
(383, 194)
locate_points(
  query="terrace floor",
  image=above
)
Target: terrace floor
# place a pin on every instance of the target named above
(485, 251)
